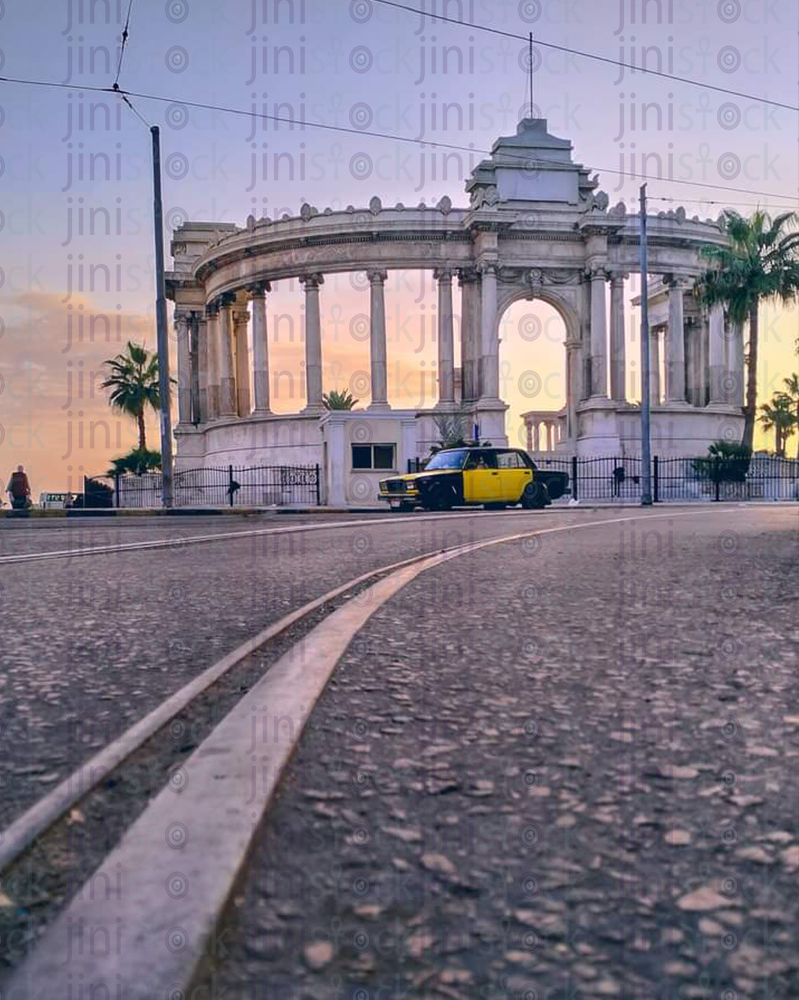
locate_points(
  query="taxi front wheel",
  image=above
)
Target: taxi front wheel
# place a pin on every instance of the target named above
(535, 496)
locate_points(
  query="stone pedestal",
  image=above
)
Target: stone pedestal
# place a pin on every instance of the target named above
(597, 428)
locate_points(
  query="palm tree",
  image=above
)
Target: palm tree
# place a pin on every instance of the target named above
(778, 415)
(133, 381)
(792, 391)
(760, 264)
(335, 400)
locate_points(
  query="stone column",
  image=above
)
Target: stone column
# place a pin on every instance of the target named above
(549, 428)
(536, 436)
(618, 354)
(446, 338)
(378, 360)
(599, 334)
(529, 428)
(654, 366)
(313, 343)
(690, 363)
(227, 378)
(583, 373)
(241, 320)
(717, 356)
(573, 382)
(470, 319)
(489, 336)
(203, 333)
(704, 359)
(212, 410)
(260, 347)
(675, 345)
(735, 363)
(182, 325)
(194, 349)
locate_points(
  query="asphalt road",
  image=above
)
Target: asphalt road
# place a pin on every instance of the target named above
(567, 765)
(91, 644)
(563, 768)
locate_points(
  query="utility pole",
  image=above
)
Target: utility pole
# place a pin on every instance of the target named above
(162, 342)
(646, 445)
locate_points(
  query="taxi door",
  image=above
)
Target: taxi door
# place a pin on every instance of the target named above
(481, 478)
(514, 475)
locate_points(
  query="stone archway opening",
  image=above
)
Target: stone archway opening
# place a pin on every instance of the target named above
(532, 365)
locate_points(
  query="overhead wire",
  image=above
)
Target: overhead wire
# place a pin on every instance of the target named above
(530, 162)
(589, 55)
(124, 43)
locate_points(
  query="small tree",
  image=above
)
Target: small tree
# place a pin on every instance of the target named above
(452, 427)
(335, 400)
(727, 461)
(136, 462)
(779, 416)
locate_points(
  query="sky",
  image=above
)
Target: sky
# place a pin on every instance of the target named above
(76, 194)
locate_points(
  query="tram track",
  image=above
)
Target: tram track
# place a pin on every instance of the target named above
(176, 541)
(301, 650)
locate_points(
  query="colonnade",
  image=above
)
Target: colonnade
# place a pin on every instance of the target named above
(216, 348)
(213, 358)
(552, 426)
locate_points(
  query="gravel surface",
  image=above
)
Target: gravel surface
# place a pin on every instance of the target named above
(562, 768)
(91, 645)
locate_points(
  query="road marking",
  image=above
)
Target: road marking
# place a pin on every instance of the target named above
(172, 895)
(164, 543)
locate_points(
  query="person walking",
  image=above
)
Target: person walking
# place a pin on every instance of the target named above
(19, 489)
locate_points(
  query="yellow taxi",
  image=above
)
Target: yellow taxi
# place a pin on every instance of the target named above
(456, 477)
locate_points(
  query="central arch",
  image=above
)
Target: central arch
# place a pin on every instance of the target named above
(552, 320)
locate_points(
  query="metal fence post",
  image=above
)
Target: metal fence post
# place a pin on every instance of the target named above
(116, 490)
(574, 478)
(318, 500)
(717, 477)
(230, 483)
(655, 480)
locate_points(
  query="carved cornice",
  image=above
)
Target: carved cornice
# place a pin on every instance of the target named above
(538, 276)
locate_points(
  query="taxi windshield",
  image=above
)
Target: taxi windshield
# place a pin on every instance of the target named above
(447, 460)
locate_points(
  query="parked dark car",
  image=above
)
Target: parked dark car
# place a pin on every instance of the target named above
(556, 482)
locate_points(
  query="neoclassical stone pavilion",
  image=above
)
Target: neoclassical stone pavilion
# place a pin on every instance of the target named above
(536, 228)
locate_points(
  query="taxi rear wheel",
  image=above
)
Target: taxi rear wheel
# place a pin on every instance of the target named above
(535, 496)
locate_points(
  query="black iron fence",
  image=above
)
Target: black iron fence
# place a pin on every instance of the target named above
(761, 477)
(233, 486)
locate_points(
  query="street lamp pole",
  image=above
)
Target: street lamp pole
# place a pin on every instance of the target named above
(162, 341)
(646, 443)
